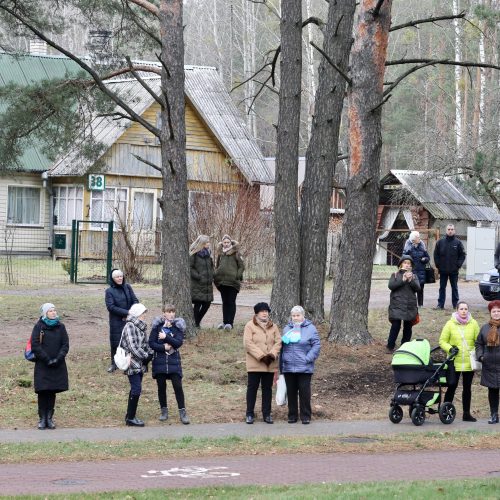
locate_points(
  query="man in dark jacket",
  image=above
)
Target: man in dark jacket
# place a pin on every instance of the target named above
(449, 255)
(119, 299)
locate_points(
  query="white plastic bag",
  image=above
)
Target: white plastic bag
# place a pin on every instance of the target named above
(122, 359)
(281, 398)
(476, 365)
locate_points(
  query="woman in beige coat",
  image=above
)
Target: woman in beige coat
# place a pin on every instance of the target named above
(262, 341)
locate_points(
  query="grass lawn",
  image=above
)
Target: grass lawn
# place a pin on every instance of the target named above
(484, 489)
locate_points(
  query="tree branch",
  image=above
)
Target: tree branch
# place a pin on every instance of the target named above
(313, 20)
(427, 20)
(131, 69)
(398, 80)
(376, 11)
(147, 6)
(147, 162)
(148, 89)
(446, 62)
(325, 55)
(116, 114)
(139, 24)
(98, 80)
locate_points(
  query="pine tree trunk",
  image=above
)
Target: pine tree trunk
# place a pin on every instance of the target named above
(321, 157)
(175, 264)
(349, 312)
(285, 293)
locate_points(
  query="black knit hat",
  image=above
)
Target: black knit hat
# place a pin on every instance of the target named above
(261, 306)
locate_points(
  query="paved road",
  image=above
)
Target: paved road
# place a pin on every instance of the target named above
(63, 478)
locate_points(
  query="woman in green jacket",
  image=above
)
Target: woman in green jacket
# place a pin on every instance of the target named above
(461, 331)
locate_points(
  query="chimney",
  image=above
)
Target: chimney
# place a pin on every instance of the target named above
(100, 46)
(38, 46)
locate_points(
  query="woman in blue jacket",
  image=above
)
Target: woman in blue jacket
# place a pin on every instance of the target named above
(300, 349)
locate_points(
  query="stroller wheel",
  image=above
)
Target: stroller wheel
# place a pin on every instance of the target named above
(447, 413)
(395, 414)
(418, 415)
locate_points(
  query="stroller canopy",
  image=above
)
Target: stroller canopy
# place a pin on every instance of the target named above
(416, 353)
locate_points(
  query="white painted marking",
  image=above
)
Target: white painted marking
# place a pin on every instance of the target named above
(193, 471)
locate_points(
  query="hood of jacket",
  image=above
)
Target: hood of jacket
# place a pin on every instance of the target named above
(178, 322)
(111, 281)
(235, 247)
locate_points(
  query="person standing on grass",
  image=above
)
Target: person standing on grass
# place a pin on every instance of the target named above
(404, 286)
(449, 256)
(299, 350)
(415, 248)
(135, 343)
(202, 277)
(50, 344)
(119, 298)
(166, 338)
(228, 276)
(488, 352)
(262, 341)
(461, 331)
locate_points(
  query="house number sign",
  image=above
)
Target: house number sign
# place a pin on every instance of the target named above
(97, 182)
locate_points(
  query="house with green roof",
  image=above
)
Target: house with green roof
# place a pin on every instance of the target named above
(40, 198)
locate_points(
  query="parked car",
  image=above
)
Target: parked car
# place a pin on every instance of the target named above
(489, 286)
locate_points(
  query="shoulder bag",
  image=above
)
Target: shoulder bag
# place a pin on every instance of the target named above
(121, 358)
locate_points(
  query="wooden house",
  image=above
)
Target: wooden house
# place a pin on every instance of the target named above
(39, 200)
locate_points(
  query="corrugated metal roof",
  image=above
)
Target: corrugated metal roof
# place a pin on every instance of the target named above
(444, 199)
(203, 87)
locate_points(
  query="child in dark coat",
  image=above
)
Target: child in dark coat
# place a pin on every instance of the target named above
(167, 336)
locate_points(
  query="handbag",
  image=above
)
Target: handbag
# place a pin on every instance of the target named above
(476, 365)
(281, 398)
(430, 275)
(416, 321)
(121, 358)
(29, 355)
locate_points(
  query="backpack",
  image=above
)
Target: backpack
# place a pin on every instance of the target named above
(28, 353)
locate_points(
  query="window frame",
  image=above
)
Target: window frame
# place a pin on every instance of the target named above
(154, 192)
(99, 227)
(41, 214)
(77, 217)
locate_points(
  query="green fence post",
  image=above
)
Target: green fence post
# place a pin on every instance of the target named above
(110, 249)
(72, 261)
(77, 249)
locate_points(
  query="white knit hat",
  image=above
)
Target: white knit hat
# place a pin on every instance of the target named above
(137, 310)
(45, 308)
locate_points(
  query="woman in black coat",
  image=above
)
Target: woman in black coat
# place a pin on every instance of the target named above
(202, 277)
(119, 299)
(50, 344)
(488, 352)
(415, 248)
(403, 302)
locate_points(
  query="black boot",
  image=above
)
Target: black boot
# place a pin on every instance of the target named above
(494, 418)
(467, 417)
(42, 423)
(50, 422)
(130, 418)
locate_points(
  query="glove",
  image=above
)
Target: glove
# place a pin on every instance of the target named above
(454, 350)
(52, 362)
(268, 359)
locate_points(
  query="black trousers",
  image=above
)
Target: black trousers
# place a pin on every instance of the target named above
(466, 390)
(161, 382)
(199, 310)
(394, 332)
(265, 380)
(46, 401)
(228, 295)
(493, 398)
(113, 352)
(420, 295)
(298, 384)
(443, 280)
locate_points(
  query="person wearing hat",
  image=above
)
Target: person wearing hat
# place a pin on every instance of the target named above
(135, 342)
(488, 352)
(404, 286)
(50, 344)
(262, 342)
(415, 248)
(119, 298)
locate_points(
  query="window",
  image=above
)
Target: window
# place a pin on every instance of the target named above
(23, 206)
(110, 204)
(143, 211)
(69, 204)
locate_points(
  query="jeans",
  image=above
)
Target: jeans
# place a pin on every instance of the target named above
(298, 384)
(228, 295)
(394, 332)
(493, 399)
(265, 379)
(199, 310)
(466, 390)
(135, 381)
(161, 382)
(443, 280)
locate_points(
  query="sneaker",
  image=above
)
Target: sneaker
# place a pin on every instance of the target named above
(228, 327)
(220, 326)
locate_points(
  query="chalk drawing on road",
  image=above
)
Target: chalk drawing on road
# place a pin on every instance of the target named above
(193, 471)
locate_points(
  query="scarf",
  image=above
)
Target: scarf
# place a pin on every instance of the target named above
(138, 323)
(51, 322)
(293, 335)
(263, 322)
(493, 339)
(459, 319)
(204, 252)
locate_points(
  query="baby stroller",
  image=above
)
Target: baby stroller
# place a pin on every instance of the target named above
(420, 381)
